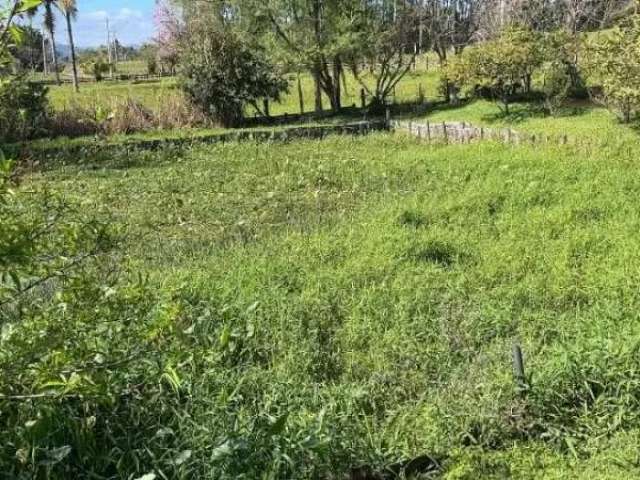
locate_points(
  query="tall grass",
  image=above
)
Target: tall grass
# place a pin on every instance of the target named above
(353, 302)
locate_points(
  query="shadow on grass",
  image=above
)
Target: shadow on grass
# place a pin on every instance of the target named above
(519, 111)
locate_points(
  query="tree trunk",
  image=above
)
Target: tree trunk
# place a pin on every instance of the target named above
(54, 55)
(318, 87)
(74, 65)
(336, 97)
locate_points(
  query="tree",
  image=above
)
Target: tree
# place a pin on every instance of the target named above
(69, 10)
(97, 68)
(28, 54)
(50, 27)
(450, 24)
(223, 74)
(383, 45)
(10, 34)
(316, 33)
(502, 66)
(171, 30)
(614, 64)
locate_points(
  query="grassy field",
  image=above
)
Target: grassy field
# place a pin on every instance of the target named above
(149, 93)
(577, 120)
(354, 301)
(153, 92)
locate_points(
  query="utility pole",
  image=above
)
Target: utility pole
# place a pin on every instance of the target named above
(109, 56)
(115, 50)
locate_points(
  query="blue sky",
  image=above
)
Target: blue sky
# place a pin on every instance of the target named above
(132, 21)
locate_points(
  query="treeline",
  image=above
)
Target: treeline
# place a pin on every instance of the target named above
(380, 39)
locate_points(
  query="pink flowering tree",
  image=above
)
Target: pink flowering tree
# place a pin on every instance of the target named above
(170, 30)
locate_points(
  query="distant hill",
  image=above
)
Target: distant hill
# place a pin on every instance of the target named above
(64, 51)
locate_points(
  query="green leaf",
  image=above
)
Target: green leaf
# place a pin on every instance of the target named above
(225, 336)
(17, 33)
(29, 5)
(182, 457)
(16, 279)
(56, 455)
(147, 476)
(222, 451)
(278, 426)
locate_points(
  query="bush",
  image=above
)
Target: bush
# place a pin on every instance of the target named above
(85, 354)
(223, 74)
(23, 109)
(614, 63)
(556, 86)
(96, 69)
(503, 66)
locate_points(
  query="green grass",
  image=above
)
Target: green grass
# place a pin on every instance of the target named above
(372, 289)
(583, 121)
(150, 93)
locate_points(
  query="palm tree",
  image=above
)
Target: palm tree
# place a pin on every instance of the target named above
(50, 27)
(69, 9)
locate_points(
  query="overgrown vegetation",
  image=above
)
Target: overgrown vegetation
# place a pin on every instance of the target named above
(309, 328)
(222, 75)
(343, 308)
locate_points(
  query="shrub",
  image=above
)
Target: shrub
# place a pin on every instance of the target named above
(556, 86)
(223, 74)
(614, 63)
(85, 354)
(23, 109)
(503, 66)
(96, 69)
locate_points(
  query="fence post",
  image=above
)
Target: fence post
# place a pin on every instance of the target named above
(363, 99)
(518, 367)
(265, 105)
(481, 133)
(444, 132)
(387, 117)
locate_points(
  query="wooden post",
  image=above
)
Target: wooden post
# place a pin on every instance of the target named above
(481, 133)
(420, 94)
(363, 99)
(518, 367)
(387, 117)
(428, 131)
(265, 106)
(300, 96)
(444, 132)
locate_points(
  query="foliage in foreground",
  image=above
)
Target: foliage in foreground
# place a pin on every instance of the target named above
(23, 109)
